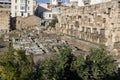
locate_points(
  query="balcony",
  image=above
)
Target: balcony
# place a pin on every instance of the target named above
(5, 1)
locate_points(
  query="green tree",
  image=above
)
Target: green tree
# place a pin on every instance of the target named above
(53, 22)
(8, 69)
(98, 65)
(15, 65)
(26, 65)
(50, 69)
(102, 64)
(66, 59)
(59, 67)
(79, 68)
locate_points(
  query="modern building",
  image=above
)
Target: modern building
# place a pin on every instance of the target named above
(56, 10)
(98, 1)
(48, 15)
(22, 8)
(56, 2)
(73, 0)
(41, 8)
(80, 3)
(90, 2)
(5, 3)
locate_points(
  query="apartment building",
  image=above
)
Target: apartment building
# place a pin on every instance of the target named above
(5, 3)
(56, 2)
(22, 8)
(90, 2)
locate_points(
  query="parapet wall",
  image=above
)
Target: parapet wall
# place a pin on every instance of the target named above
(98, 23)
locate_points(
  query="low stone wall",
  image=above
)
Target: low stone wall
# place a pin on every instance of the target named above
(4, 19)
(85, 46)
(28, 22)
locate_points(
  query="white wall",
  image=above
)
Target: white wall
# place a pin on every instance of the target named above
(56, 10)
(16, 8)
(54, 2)
(98, 1)
(80, 2)
(44, 5)
(48, 15)
(73, 0)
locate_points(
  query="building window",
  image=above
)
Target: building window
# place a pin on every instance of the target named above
(28, 8)
(49, 15)
(28, 14)
(28, 2)
(108, 10)
(22, 1)
(83, 29)
(15, 14)
(15, 1)
(119, 4)
(15, 7)
(79, 16)
(22, 7)
(21, 13)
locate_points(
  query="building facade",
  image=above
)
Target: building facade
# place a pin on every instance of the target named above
(22, 8)
(99, 23)
(91, 2)
(99, 1)
(73, 0)
(55, 2)
(5, 3)
(48, 15)
(41, 8)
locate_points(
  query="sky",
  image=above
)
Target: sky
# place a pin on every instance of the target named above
(46, 1)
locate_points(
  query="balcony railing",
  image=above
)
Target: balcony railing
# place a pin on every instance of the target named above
(5, 1)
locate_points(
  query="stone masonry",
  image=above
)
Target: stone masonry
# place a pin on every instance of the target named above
(4, 19)
(99, 23)
(28, 22)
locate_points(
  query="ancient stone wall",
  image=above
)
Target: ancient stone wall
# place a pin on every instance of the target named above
(98, 23)
(4, 19)
(28, 22)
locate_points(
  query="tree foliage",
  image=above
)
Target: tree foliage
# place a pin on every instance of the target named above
(56, 68)
(53, 22)
(98, 65)
(102, 64)
(15, 65)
